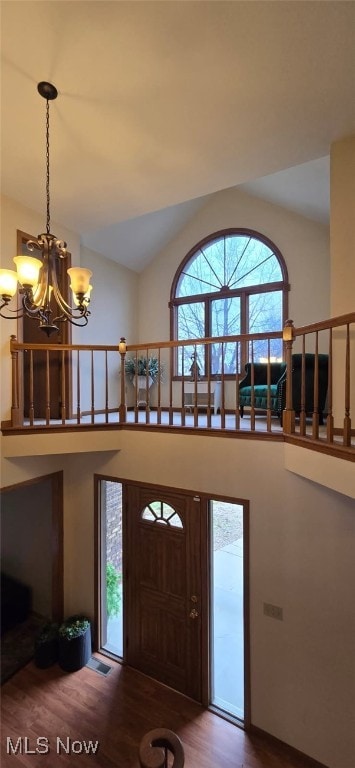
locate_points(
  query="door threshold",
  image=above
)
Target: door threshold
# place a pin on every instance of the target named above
(227, 716)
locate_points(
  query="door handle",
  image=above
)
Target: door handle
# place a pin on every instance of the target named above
(193, 614)
(194, 598)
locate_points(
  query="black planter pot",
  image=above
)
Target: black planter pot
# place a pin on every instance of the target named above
(75, 653)
(46, 653)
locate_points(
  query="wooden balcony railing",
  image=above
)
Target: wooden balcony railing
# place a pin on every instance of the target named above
(195, 385)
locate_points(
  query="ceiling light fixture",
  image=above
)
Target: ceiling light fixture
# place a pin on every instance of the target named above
(37, 280)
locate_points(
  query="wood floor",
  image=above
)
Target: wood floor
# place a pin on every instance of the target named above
(117, 711)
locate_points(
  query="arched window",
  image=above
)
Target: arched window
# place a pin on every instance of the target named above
(231, 283)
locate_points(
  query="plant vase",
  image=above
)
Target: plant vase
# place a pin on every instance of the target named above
(143, 385)
(46, 647)
(74, 651)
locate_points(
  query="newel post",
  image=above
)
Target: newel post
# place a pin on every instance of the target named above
(288, 416)
(15, 392)
(122, 348)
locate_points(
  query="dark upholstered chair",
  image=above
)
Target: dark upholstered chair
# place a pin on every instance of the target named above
(277, 370)
(309, 405)
(278, 386)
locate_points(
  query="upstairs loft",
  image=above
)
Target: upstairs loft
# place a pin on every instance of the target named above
(295, 386)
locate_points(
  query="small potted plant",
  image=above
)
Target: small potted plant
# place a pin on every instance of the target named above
(46, 646)
(74, 643)
(143, 366)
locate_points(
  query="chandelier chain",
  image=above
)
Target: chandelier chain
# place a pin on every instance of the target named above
(47, 173)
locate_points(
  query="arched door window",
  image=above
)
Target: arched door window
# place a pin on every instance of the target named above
(231, 283)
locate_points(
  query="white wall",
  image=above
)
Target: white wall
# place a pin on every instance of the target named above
(303, 243)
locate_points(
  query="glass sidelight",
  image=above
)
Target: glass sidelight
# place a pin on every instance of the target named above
(111, 595)
(227, 608)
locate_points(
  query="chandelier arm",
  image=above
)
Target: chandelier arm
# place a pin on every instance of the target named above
(16, 313)
(77, 316)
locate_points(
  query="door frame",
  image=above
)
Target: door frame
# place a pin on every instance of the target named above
(205, 579)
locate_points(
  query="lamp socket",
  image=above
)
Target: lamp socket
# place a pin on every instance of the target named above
(274, 611)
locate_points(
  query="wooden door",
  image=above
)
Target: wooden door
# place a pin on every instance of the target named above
(163, 607)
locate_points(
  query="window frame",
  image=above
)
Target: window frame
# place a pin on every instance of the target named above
(244, 293)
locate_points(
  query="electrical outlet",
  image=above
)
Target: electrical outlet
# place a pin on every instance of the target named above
(274, 611)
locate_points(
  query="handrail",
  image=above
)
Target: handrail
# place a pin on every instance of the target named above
(99, 392)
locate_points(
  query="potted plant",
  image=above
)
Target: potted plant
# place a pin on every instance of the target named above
(46, 646)
(74, 643)
(143, 366)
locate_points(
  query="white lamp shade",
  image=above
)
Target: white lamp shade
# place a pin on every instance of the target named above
(80, 279)
(27, 270)
(8, 282)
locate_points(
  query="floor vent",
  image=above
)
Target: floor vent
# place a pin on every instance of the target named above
(99, 666)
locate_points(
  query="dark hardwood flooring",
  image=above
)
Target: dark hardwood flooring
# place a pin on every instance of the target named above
(117, 711)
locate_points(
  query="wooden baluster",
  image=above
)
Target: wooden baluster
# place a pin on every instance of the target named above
(78, 419)
(208, 364)
(92, 388)
(252, 385)
(183, 406)
(147, 377)
(223, 410)
(48, 390)
(288, 417)
(122, 348)
(315, 417)
(106, 387)
(171, 410)
(64, 405)
(347, 419)
(155, 746)
(303, 388)
(136, 408)
(237, 414)
(195, 376)
(159, 388)
(31, 410)
(16, 420)
(268, 384)
(330, 417)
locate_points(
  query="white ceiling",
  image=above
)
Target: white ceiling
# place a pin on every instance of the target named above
(165, 102)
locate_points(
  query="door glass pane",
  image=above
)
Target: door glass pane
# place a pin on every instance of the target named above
(111, 630)
(227, 614)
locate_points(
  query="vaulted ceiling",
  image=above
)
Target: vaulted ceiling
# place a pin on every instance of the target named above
(164, 102)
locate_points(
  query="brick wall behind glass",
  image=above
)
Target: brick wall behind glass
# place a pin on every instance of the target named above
(113, 503)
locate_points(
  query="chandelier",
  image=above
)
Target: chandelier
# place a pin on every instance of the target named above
(37, 279)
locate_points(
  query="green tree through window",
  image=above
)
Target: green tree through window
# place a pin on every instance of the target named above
(231, 283)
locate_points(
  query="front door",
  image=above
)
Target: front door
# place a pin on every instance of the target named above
(163, 628)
